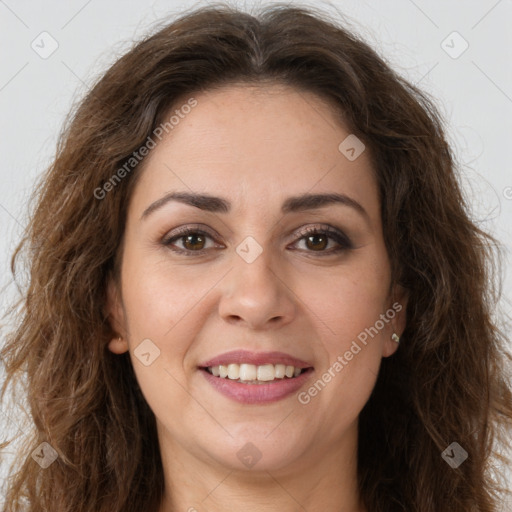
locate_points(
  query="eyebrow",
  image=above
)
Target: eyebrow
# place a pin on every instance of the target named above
(214, 204)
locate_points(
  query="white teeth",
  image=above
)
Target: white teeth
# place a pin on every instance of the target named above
(247, 372)
(251, 373)
(233, 371)
(266, 372)
(280, 371)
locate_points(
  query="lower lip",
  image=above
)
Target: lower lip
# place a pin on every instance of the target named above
(257, 393)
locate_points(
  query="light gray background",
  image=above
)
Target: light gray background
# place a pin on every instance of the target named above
(473, 91)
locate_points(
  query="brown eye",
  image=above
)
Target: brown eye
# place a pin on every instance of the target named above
(317, 242)
(324, 240)
(189, 241)
(193, 242)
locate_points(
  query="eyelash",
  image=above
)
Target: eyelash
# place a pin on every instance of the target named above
(338, 236)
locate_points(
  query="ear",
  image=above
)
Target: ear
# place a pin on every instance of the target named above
(115, 312)
(397, 314)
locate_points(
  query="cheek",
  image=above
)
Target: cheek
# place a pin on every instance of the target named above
(163, 307)
(348, 299)
(159, 298)
(348, 305)
(351, 348)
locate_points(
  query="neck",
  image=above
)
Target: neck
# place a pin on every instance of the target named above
(325, 479)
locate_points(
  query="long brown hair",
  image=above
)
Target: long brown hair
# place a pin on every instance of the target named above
(446, 383)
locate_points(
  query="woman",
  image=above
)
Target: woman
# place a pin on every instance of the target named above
(255, 284)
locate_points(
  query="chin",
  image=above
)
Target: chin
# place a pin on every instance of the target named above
(264, 449)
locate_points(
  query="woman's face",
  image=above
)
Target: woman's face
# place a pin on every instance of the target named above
(284, 264)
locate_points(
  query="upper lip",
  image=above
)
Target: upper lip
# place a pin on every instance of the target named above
(255, 358)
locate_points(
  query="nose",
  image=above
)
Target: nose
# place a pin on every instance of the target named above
(257, 296)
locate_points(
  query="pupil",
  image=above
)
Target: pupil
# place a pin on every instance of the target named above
(314, 239)
(195, 241)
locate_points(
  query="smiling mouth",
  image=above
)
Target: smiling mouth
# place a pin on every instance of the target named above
(252, 374)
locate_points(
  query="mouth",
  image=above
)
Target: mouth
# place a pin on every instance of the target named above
(251, 378)
(246, 373)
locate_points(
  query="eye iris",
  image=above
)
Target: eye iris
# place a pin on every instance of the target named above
(314, 239)
(194, 241)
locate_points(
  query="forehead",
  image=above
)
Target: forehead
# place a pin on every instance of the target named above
(257, 143)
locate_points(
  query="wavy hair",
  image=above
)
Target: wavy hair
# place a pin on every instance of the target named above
(448, 381)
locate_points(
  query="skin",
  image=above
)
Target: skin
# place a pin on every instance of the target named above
(255, 146)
